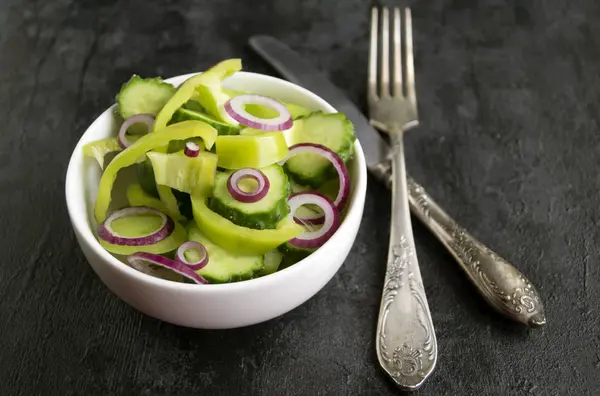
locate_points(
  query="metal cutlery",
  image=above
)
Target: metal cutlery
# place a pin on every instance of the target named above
(405, 340)
(501, 284)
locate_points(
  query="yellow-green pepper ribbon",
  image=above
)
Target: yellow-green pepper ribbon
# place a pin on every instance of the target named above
(100, 148)
(169, 201)
(207, 86)
(240, 239)
(251, 151)
(192, 175)
(180, 131)
(136, 196)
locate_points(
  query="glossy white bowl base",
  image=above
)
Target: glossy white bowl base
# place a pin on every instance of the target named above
(212, 306)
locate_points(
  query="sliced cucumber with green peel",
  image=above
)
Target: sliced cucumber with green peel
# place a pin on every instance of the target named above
(145, 175)
(224, 266)
(273, 260)
(263, 214)
(293, 254)
(334, 131)
(183, 114)
(143, 96)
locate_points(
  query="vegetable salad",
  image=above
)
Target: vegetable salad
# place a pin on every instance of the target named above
(230, 185)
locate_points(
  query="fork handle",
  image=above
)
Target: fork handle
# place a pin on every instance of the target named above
(405, 342)
(503, 286)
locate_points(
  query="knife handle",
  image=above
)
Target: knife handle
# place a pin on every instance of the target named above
(503, 286)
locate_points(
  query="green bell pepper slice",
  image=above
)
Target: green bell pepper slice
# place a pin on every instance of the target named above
(207, 88)
(100, 148)
(136, 196)
(169, 201)
(129, 156)
(192, 175)
(210, 91)
(251, 151)
(240, 239)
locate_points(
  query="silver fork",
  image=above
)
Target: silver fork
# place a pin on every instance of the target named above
(405, 341)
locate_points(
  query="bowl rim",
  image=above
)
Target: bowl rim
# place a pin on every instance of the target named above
(83, 227)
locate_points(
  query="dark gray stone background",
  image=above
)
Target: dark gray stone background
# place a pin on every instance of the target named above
(509, 144)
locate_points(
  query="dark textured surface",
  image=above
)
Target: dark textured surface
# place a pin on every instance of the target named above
(509, 144)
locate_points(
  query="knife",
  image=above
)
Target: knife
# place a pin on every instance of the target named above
(503, 286)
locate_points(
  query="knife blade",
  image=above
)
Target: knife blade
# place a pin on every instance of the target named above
(289, 64)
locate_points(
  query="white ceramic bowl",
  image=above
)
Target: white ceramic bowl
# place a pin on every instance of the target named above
(223, 305)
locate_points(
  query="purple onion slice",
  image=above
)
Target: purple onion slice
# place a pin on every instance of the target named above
(339, 166)
(106, 233)
(252, 196)
(192, 245)
(143, 262)
(314, 239)
(147, 119)
(236, 108)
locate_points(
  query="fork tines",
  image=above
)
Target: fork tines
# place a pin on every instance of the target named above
(399, 86)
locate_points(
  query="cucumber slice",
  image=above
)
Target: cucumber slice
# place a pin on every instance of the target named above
(145, 175)
(272, 262)
(260, 215)
(184, 203)
(293, 254)
(143, 95)
(334, 131)
(240, 239)
(224, 266)
(183, 114)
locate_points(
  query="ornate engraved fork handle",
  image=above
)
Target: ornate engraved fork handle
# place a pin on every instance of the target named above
(406, 343)
(501, 284)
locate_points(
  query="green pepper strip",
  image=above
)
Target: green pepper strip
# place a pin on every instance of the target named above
(245, 151)
(136, 196)
(127, 157)
(188, 89)
(190, 175)
(168, 199)
(100, 148)
(239, 239)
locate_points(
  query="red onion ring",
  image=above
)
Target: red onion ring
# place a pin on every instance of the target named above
(141, 261)
(198, 264)
(338, 164)
(235, 107)
(191, 149)
(106, 233)
(248, 173)
(147, 119)
(314, 239)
